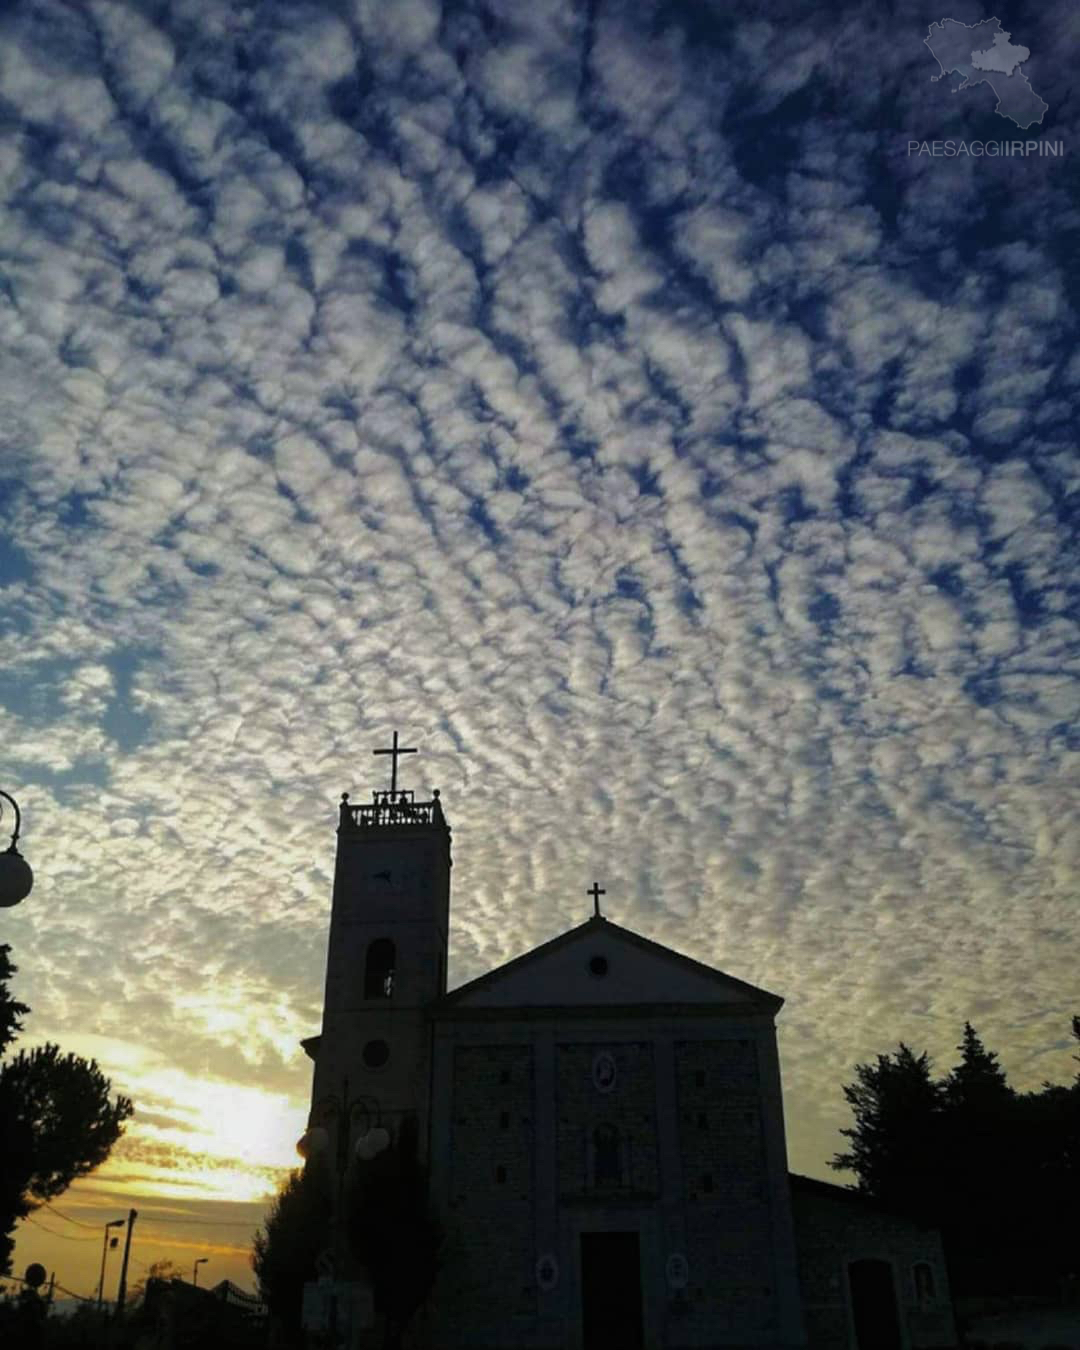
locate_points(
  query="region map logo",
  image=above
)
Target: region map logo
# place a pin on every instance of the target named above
(983, 54)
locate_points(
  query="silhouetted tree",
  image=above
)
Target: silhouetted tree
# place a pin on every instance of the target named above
(56, 1121)
(978, 1202)
(394, 1231)
(977, 1085)
(294, 1233)
(164, 1270)
(896, 1142)
(10, 1011)
(22, 1319)
(998, 1172)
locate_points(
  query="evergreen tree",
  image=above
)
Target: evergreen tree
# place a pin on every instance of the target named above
(57, 1121)
(978, 1082)
(10, 1011)
(393, 1231)
(996, 1171)
(294, 1233)
(896, 1142)
(981, 1142)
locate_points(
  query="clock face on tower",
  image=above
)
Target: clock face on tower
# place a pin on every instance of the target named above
(385, 872)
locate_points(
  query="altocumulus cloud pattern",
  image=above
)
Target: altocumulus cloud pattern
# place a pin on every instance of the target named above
(600, 395)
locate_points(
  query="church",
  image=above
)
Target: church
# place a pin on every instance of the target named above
(603, 1126)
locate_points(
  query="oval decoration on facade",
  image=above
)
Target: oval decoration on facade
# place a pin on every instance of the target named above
(677, 1271)
(603, 1071)
(547, 1271)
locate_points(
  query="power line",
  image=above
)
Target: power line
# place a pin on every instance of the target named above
(18, 1279)
(62, 1215)
(67, 1237)
(206, 1223)
(209, 1223)
(83, 1298)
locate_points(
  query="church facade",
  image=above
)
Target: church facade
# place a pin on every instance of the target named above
(603, 1125)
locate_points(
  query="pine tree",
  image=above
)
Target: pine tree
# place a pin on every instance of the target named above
(896, 1140)
(394, 1231)
(57, 1121)
(294, 1233)
(978, 1082)
(981, 1144)
(10, 1011)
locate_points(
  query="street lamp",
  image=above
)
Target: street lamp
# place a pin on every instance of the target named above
(315, 1143)
(16, 878)
(116, 1223)
(195, 1270)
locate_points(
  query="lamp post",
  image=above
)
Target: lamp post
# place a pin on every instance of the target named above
(116, 1223)
(195, 1270)
(315, 1143)
(16, 878)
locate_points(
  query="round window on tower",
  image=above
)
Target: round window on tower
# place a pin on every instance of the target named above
(375, 1054)
(598, 965)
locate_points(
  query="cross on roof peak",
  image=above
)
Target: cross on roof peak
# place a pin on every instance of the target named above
(596, 891)
(394, 751)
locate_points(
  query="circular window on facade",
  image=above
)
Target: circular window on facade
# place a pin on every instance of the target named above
(598, 965)
(375, 1054)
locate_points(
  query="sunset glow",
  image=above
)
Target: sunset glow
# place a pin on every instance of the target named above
(601, 397)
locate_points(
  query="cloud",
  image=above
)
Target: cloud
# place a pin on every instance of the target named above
(610, 406)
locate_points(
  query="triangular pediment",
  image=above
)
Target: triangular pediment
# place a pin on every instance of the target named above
(568, 971)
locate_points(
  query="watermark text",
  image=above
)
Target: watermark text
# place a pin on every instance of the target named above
(987, 149)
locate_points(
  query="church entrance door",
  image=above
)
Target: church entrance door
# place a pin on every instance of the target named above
(873, 1306)
(611, 1292)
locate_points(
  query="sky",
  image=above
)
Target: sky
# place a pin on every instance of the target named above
(608, 398)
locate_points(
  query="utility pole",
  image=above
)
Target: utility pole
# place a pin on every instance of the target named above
(132, 1216)
(115, 1223)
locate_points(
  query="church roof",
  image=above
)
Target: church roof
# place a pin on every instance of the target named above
(848, 1195)
(601, 963)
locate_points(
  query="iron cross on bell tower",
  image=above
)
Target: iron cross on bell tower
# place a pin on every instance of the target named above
(394, 752)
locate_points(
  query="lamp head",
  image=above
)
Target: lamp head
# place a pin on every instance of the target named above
(16, 878)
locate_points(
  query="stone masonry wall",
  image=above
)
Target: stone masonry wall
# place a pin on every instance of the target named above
(832, 1231)
(490, 1252)
(728, 1231)
(630, 1107)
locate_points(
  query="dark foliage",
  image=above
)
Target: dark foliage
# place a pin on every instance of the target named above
(997, 1171)
(10, 1011)
(56, 1120)
(22, 1320)
(896, 1143)
(294, 1233)
(394, 1232)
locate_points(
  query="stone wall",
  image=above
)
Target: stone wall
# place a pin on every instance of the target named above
(728, 1231)
(686, 1107)
(630, 1108)
(833, 1227)
(490, 1253)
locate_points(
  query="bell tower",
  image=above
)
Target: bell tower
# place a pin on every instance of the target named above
(386, 958)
